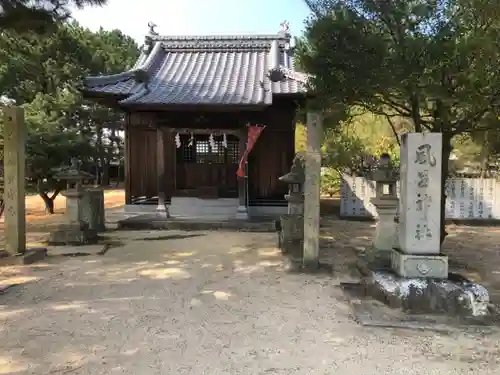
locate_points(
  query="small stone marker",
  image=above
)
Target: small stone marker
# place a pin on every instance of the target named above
(419, 249)
(14, 191)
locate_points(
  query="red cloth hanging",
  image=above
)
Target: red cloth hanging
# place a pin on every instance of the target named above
(253, 134)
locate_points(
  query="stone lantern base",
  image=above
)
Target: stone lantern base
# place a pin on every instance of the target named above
(76, 231)
(73, 234)
(379, 256)
(292, 235)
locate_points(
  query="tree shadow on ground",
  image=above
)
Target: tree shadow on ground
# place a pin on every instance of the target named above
(88, 301)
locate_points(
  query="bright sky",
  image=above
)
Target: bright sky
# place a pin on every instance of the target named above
(195, 17)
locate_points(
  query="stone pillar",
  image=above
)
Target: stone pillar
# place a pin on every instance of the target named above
(162, 208)
(242, 212)
(419, 249)
(14, 179)
(312, 190)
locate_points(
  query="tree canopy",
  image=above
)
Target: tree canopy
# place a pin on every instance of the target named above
(38, 16)
(434, 62)
(42, 73)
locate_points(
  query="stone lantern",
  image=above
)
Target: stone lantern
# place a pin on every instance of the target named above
(386, 203)
(291, 235)
(76, 231)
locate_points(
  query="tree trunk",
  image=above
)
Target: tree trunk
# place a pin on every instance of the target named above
(105, 172)
(49, 201)
(100, 154)
(447, 148)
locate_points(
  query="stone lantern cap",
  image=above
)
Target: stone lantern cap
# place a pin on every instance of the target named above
(73, 173)
(296, 174)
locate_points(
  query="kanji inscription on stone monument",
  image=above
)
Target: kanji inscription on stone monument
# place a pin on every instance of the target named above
(421, 193)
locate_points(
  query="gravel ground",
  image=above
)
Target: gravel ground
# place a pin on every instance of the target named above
(206, 303)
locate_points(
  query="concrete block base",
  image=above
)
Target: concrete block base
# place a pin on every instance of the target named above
(242, 213)
(378, 258)
(71, 234)
(454, 296)
(30, 256)
(413, 265)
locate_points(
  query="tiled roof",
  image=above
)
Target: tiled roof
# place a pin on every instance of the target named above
(211, 70)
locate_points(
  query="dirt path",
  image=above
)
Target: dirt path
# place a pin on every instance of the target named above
(208, 303)
(473, 252)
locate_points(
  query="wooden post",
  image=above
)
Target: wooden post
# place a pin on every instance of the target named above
(242, 212)
(14, 170)
(162, 209)
(126, 159)
(312, 190)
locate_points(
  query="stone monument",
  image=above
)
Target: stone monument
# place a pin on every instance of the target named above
(386, 202)
(76, 231)
(292, 224)
(419, 281)
(418, 252)
(14, 192)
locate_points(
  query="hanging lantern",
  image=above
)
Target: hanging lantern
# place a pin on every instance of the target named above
(177, 140)
(224, 140)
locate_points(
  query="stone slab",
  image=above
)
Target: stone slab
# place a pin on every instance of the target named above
(454, 296)
(373, 313)
(76, 251)
(150, 221)
(417, 265)
(30, 256)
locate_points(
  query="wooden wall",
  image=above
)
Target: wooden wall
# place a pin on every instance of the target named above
(141, 163)
(271, 157)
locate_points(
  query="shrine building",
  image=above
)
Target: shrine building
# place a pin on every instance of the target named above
(189, 102)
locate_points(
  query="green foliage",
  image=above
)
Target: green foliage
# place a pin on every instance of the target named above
(433, 62)
(42, 74)
(39, 16)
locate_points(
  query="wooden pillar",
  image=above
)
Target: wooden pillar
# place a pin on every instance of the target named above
(14, 170)
(162, 209)
(312, 190)
(242, 212)
(126, 159)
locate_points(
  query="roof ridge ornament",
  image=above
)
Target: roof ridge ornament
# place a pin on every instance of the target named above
(150, 37)
(285, 27)
(152, 31)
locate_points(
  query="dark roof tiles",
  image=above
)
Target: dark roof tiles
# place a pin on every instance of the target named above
(218, 70)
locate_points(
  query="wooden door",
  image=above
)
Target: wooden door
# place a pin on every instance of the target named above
(205, 171)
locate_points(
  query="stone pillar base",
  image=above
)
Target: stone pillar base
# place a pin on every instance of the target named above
(242, 213)
(162, 211)
(378, 258)
(413, 265)
(73, 234)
